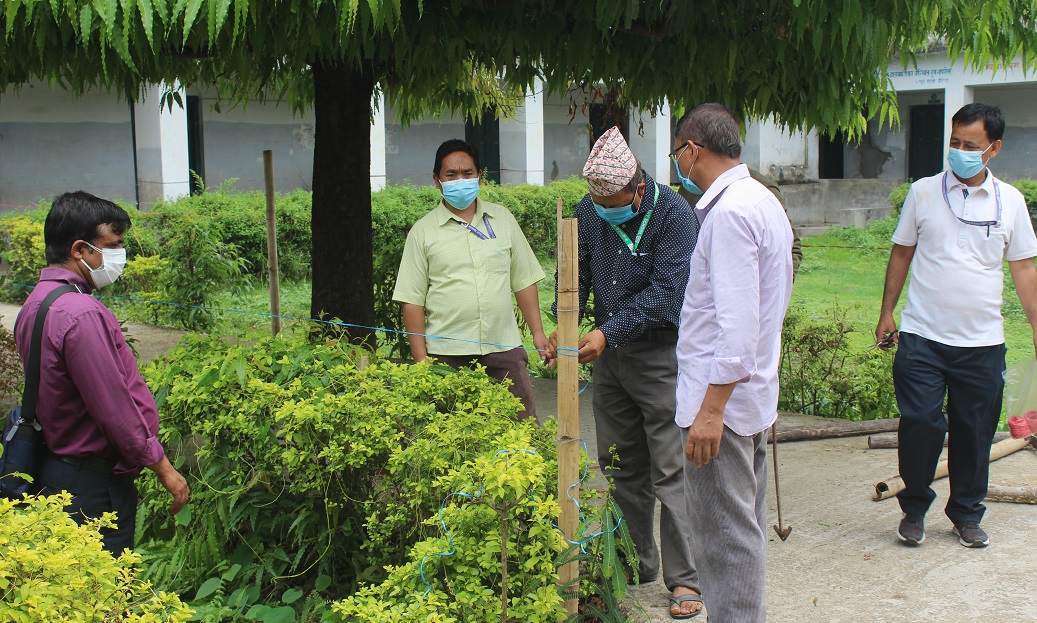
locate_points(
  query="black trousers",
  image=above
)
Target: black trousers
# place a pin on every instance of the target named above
(94, 493)
(972, 379)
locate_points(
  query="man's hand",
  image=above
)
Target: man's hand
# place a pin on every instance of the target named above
(540, 343)
(886, 335)
(704, 434)
(704, 437)
(174, 483)
(551, 351)
(592, 345)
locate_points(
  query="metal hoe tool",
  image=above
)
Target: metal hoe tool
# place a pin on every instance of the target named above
(782, 530)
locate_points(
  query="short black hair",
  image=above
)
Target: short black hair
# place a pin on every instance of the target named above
(713, 126)
(78, 216)
(991, 116)
(452, 146)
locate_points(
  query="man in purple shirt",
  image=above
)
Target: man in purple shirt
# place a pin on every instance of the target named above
(99, 419)
(727, 360)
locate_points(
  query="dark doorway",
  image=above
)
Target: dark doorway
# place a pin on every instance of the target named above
(485, 135)
(925, 143)
(195, 144)
(605, 115)
(830, 150)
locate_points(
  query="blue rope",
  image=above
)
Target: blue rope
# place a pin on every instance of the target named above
(564, 351)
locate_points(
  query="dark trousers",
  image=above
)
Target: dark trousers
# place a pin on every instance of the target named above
(510, 364)
(635, 395)
(972, 379)
(94, 493)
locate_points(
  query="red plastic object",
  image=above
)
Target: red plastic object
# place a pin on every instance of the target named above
(1019, 427)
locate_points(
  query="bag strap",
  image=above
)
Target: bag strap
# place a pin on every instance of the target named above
(32, 369)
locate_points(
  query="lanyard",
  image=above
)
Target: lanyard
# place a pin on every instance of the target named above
(633, 244)
(987, 224)
(475, 230)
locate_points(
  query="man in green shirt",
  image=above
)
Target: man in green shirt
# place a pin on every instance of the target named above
(461, 263)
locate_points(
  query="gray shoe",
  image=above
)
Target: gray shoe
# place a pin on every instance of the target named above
(970, 534)
(911, 529)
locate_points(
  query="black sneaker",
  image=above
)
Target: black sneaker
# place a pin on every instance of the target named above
(911, 529)
(970, 534)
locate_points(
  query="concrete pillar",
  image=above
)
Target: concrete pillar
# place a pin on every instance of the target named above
(160, 136)
(663, 145)
(955, 95)
(522, 141)
(378, 142)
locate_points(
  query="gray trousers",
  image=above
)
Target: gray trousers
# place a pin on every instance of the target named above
(728, 498)
(634, 406)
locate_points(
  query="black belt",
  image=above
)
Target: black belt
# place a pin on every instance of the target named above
(89, 463)
(659, 336)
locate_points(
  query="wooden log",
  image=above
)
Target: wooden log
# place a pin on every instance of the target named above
(886, 441)
(890, 487)
(568, 395)
(837, 428)
(1021, 495)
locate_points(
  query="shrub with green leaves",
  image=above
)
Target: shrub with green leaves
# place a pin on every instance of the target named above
(11, 375)
(308, 470)
(52, 569)
(898, 197)
(202, 265)
(1029, 190)
(822, 374)
(23, 250)
(239, 219)
(497, 562)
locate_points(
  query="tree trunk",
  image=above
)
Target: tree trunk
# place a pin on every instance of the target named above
(343, 280)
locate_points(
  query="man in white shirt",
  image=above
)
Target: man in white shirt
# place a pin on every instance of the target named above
(958, 227)
(727, 356)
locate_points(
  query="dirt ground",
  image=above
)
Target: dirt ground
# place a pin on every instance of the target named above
(842, 561)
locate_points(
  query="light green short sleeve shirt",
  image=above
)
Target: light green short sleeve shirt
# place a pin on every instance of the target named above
(466, 283)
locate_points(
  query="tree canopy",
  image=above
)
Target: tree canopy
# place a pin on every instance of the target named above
(809, 63)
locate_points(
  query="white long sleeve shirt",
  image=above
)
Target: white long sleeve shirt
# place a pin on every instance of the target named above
(735, 302)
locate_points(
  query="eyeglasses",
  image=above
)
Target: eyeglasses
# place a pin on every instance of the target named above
(676, 153)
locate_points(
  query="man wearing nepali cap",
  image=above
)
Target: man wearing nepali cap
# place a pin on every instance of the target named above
(635, 241)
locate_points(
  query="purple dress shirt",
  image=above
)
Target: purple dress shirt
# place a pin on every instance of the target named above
(93, 401)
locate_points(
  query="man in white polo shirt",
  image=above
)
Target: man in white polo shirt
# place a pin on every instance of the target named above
(958, 227)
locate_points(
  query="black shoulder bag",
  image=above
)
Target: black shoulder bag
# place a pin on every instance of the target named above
(23, 439)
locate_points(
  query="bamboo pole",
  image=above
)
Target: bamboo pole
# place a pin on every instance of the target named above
(271, 243)
(1020, 495)
(568, 393)
(889, 488)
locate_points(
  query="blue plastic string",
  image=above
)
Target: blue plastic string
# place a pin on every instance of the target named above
(563, 351)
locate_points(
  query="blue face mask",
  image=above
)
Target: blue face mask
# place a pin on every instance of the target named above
(461, 193)
(616, 216)
(688, 185)
(966, 164)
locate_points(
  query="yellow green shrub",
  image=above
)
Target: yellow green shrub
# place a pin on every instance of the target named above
(52, 569)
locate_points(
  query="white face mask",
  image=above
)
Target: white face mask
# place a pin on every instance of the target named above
(112, 263)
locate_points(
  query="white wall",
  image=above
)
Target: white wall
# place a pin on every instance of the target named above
(566, 141)
(52, 142)
(235, 137)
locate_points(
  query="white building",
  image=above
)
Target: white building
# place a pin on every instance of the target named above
(140, 153)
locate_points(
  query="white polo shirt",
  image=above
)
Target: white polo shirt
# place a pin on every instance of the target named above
(957, 277)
